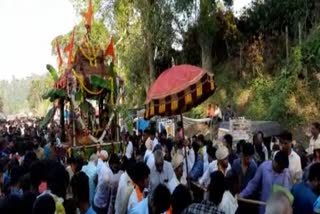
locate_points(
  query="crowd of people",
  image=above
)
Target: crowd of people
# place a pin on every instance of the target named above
(154, 174)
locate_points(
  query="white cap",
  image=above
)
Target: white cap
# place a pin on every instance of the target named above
(222, 153)
(177, 160)
(104, 155)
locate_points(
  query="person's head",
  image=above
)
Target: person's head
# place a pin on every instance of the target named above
(280, 162)
(193, 139)
(181, 199)
(240, 146)
(104, 155)
(38, 173)
(258, 138)
(160, 199)
(114, 163)
(222, 155)
(211, 151)
(159, 160)
(163, 134)
(76, 164)
(58, 179)
(36, 142)
(228, 139)
(216, 187)
(152, 134)
(315, 129)
(177, 164)
(278, 203)
(201, 140)
(229, 107)
(93, 159)
(29, 159)
(316, 153)
(140, 175)
(232, 183)
(285, 140)
(247, 153)
(44, 204)
(146, 134)
(80, 188)
(314, 177)
(275, 148)
(195, 147)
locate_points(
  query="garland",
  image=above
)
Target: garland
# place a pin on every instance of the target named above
(83, 85)
(112, 91)
(92, 60)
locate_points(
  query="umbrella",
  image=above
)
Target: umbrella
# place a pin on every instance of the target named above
(177, 90)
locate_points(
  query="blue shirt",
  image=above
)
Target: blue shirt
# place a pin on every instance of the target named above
(197, 169)
(141, 208)
(304, 198)
(244, 178)
(90, 211)
(91, 172)
(264, 179)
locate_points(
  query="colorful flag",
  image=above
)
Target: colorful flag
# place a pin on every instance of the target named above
(59, 54)
(69, 48)
(88, 15)
(110, 50)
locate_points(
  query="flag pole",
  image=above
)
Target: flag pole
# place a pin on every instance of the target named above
(185, 151)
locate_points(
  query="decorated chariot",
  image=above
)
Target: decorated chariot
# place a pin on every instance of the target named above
(86, 90)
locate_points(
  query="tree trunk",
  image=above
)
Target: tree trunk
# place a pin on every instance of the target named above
(151, 63)
(206, 56)
(147, 10)
(206, 30)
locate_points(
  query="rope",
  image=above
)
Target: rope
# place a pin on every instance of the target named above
(250, 201)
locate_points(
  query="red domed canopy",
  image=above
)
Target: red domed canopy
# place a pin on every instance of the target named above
(178, 89)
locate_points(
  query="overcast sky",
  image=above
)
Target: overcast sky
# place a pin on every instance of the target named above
(27, 29)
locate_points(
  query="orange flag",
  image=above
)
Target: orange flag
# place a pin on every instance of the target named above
(59, 54)
(69, 48)
(88, 15)
(110, 50)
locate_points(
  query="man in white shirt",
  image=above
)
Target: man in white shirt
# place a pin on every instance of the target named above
(221, 164)
(108, 180)
(153, 138)
(218, 113)
(129, 149)
(229, 203)
(260, 150)
(161, 172)
(125, 188)
(294, 159)
(177, 164)
(315, 137)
